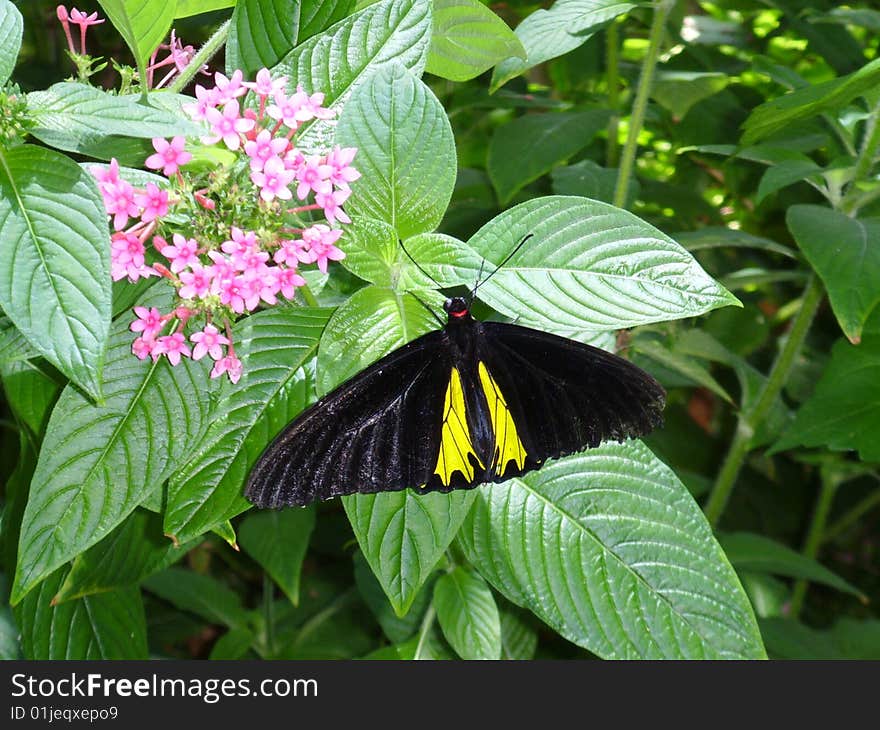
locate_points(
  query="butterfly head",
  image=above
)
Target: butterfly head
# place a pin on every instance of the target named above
(456, 307)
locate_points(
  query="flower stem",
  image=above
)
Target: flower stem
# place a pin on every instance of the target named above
(204, 54)
(427, 623)
(310, 298)
(612, 41)
(750, 420)
(814, 535)
(640, 105)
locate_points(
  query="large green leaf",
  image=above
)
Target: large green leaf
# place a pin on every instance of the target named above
(609, 548)
(100, 461)
(261, 33)
(277, 348)
(678, 91)
(748, 551)
(14, 346)
(406, 152)
(134, 550)
(187, 8)
(589, 180)
(467, 39)
(199, 594)
(546, 34)
(588, 267)
(111, 625)
(518, 641)
(845, 254)
(549, 138)
(404, 534)
(841, 414)
(30, 392)
(317, 15)
(55, 260)
(774, 116)
(143, 24)
(338, 60)
(278, 540)
(847, 639)
(11, 29)
(79, 118)
(468, 615)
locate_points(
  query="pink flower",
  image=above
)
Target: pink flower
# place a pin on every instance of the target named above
(196, 283)
(149, 322)
(227, 125)
(154, 201)
(208, 342)
(169, 155)
(119, 202)
(265, 85)
(288, 280)
(79, 18)
(182, 254)
(173, 346)
(106, 175)
(230, 365)
(231, 293)
(340, 161)
(228, 89)
(292, 252)
(223, 270)
(293, 110)
(264, 147)
(321, 240)
(331, 202)
(312, 175)
(127, 257)
(142, 348)
(242, 242)
(273, 180)
(205, 99)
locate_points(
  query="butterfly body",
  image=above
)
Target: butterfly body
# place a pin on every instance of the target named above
(471, 403)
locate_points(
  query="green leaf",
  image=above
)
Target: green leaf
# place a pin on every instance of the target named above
(371, 250)
(467, 39)
(79, 118)
(844, 253)
(518, 641)
(371, 323)
(682, 365)
(277, 348)
(278, 540)
(406, 152)
(9, 633)
(588, 267)
(712, 237)
(187, 8)
(589, 180)
(234, 644)
(863, 17)
(111, 625)
(847, 639)
(143, 24)
(317, 15)
(337, 61)
(841, 414)
(809, 101)
(785, 174)
(30, 392)
(547, 34)
(261, 33)
(199, 594)
(11, 29)
(134, 550)
(100, 461)
(549, 138)
(609, 549)
(404, 534)
(468, 615)
(55, 260)
(678, 91)
(14, 346)
(396, 628)
(747, 551)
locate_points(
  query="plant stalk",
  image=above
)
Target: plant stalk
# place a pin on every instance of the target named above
(640, 104)
(814, 536)
(203, 55)
(853, 515)
(864, 162)
(749, 422)
(427, 623)
(268, 613)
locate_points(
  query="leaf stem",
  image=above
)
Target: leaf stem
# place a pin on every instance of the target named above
(310, 298)
(640, 104)
(612, 42)
(749, 421)
(813, 541)
(203, 55)
(864, 162)
(852, 515)
(427, 623)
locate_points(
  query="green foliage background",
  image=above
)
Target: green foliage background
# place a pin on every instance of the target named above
(701, 182)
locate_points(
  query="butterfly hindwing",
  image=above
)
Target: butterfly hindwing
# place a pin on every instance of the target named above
(379, 431)
(564, 396)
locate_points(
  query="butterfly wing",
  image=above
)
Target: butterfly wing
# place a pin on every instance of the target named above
(379, 431)
(564, 396)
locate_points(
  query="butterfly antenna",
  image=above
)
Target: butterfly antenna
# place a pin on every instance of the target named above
(417, 264)
(495, 271)
(431, 311)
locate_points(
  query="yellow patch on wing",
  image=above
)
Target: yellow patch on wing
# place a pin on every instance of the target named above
(455, 440)
(508, 447)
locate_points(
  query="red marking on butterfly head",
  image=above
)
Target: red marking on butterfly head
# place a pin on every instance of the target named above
(456, 307)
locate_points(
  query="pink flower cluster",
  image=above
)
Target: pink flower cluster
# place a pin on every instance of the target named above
(246, 266)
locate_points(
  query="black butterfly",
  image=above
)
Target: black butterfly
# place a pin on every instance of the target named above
(473, 402)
